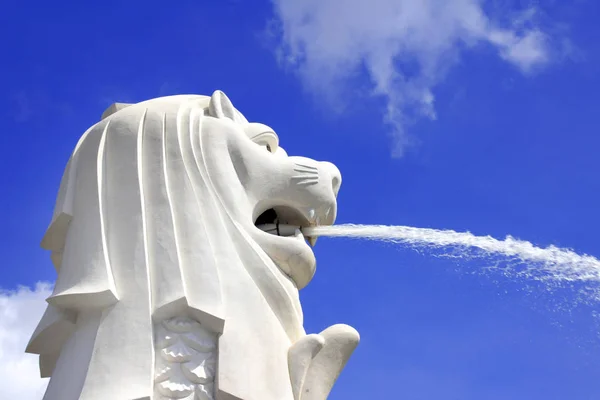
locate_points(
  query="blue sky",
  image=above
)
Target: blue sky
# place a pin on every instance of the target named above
(459, 114)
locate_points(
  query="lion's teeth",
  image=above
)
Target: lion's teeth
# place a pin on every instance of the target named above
(279, 229)
(270, 228)
(287, 230)
(312, 240)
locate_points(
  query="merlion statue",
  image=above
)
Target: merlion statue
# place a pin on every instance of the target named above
(177, 241)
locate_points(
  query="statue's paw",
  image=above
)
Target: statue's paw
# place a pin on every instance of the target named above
(315, 361)
(300, 357)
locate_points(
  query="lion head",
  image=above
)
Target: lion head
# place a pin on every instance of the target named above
(179, 207)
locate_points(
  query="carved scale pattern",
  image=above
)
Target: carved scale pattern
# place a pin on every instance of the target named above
(186, 356)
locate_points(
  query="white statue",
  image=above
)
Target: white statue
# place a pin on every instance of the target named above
(176, 238)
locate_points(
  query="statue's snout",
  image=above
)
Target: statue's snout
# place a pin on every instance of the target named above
(333, 174)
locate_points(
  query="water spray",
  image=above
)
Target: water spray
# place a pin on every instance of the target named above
(548, 263)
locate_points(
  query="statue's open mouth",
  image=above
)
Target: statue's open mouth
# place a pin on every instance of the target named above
(285, 222)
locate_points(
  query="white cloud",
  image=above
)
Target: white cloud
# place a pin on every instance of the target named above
(405, 47)
(20, 311)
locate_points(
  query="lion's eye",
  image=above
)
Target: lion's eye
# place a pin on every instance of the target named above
(267, 140)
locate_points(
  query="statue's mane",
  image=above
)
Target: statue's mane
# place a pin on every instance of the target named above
(122, 181)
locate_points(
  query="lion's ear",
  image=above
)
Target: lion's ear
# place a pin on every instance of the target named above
(220, 106)
(113, 109)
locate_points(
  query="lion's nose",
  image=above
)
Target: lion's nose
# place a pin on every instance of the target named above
(334, 174)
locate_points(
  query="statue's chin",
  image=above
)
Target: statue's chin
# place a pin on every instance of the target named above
(290, 252)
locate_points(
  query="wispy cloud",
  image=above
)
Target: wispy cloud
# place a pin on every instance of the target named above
(20, 311)
(29, 106)
(404, 46)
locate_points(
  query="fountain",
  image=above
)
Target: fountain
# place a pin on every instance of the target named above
(180, 237)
